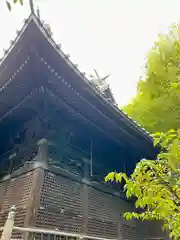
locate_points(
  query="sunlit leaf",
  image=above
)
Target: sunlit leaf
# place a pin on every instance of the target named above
(8, 5)
(21, 2)
(155, 185)
(110, 177)
(156, 141)
(156, 105)
(174, 85)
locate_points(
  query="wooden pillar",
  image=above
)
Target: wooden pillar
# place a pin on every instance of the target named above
(85, 199)
(34, 200)
(35, 194)
(9, 224)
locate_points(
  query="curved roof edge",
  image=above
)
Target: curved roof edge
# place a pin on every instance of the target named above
(112, 107)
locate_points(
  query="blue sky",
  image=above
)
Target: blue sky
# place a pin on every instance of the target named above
(111, 36)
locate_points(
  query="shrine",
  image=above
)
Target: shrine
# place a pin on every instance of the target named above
(60, 136)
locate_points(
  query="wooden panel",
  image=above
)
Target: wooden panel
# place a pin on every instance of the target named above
(61, 204)
(66, 206)
(17, 193)
(131, 232)
(102, 214)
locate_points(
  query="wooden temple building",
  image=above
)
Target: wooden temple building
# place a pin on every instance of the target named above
(60, 136)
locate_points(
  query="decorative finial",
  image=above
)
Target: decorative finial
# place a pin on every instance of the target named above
(11, 214)
(42, 141)
(38, 12)
(31, 4)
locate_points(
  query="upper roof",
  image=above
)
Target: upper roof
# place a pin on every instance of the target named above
(34, 45)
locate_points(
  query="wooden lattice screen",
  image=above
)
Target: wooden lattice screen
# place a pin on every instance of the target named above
(47, 200)
(16, 191)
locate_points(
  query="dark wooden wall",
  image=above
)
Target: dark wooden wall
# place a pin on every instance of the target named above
(49, 200)
(16, 191)
(71, 206)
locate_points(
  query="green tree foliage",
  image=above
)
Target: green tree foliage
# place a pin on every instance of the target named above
(156, 105)
(9, 6)
(155, 184)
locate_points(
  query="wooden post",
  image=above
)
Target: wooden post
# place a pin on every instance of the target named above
(9, 224)
(34, 201)
(42, 157)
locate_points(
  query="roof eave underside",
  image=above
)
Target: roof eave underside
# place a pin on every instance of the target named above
(80, 78)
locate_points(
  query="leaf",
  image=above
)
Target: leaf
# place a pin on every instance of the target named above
(8, 5)
(15, 1)
(174, 85)
(118, 177)
(128, 216)
(156, 142)
(21, 2)
(165, 227)
(156, 105)
(154, 185)
(172, 131)
(110, 177)
(157, 134)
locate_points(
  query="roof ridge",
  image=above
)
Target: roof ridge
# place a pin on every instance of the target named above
(13, 42)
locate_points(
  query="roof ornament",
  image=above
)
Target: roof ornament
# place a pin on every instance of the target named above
(38, 13)
(99, 82)
(48, 29)
(17, 32)
(26, 20)
(58, 46)
(31, 4)
(102, 86)
(5, 51)
(67, 56)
